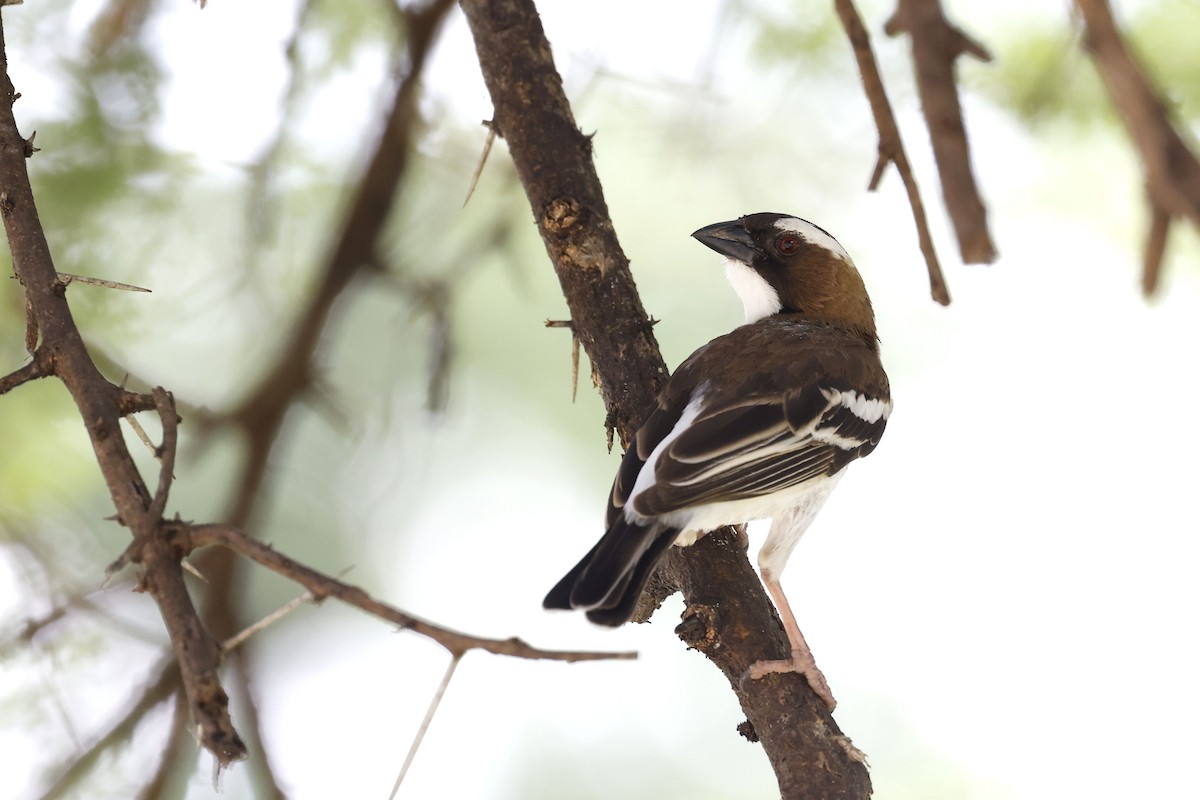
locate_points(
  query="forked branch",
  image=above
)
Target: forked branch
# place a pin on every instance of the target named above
(891, 147)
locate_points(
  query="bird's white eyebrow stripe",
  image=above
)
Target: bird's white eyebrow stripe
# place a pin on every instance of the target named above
(813, 235)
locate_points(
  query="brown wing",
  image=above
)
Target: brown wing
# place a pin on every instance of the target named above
(816, 399)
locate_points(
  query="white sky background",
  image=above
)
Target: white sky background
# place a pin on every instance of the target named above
(1002, 596)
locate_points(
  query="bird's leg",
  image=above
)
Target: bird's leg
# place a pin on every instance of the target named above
(802, 658)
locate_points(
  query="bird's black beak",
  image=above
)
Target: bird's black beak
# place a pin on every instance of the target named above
(730, 239)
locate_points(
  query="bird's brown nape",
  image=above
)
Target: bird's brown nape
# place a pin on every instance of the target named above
(847, 303)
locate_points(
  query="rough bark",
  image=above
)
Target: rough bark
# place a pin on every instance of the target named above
(729, 617)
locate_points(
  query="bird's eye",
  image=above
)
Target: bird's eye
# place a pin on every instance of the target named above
(788, 244)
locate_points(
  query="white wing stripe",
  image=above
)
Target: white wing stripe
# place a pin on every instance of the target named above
(868, 409)
(734, 462)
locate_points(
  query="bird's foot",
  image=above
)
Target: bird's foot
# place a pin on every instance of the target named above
(802, 662)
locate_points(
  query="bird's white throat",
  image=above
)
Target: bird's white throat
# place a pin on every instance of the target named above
(759, 298)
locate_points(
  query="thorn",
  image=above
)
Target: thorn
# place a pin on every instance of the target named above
(29, 148)
(191, 569)
(66, 279)
(276, 615)
(566, 323)
(574, 366)
(145, 437)
(125, 559)
(483, 156)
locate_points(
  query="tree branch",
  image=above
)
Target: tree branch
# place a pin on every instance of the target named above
(157, 547)
(1171, 169)
(99, 403)
(936, 45)
(189, 537)
(553, 159)
(891, 147)
(554, 162)
(39, 367)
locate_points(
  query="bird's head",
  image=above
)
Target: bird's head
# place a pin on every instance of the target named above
(779, 264)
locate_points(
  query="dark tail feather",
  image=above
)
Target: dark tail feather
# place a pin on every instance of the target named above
(608, 579)
(626, 595)
(560, 596)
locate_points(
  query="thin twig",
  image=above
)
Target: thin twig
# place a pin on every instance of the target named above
(270, 619)
(429, 712)
(189, 537)
(891, 147)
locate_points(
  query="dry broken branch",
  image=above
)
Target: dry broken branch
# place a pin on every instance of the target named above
(936, 45)
(891, 148)
(1171, 168)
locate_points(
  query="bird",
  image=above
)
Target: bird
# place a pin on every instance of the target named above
(759, 423)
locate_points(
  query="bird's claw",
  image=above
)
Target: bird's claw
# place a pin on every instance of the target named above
(797, 663)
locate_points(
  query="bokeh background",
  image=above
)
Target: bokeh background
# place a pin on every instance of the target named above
(1002, 597)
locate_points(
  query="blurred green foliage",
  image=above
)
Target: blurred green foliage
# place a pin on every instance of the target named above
(1042, 74)
(233, 247)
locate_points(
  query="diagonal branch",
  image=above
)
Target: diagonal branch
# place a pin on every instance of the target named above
(156, 546)
(190, 537)
(554, 162)
(100, 405)
(936, 45)
(553, 159)
(1171, 168)
(891, 147)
